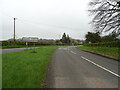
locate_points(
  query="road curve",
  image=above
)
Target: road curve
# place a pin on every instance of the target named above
(73, 68)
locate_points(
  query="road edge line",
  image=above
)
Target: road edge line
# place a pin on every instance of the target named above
(100, 66)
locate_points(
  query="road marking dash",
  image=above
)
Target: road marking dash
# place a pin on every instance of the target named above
(72, 52)
(100, 66)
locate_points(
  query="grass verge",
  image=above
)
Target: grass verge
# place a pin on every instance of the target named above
(25, 69)
(108, 51)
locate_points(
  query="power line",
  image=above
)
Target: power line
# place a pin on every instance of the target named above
(38, 23)
(34, 22)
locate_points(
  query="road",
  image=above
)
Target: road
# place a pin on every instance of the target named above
(14, 49)
(73, 68)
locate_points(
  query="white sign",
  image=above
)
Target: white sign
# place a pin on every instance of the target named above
(30, 39)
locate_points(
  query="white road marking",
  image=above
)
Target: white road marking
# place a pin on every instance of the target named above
(72, 52)
(100, 66)
(62, 48)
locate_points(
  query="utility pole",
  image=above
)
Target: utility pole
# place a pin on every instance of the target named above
(14, 30)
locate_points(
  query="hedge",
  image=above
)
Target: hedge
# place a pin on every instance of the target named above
(105, 44)
(6, 43)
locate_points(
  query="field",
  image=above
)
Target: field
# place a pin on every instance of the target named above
(109, 51)
(26, 69)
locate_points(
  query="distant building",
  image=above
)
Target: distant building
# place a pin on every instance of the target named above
(76, 42)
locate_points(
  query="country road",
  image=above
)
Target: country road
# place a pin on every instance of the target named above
(73, 68)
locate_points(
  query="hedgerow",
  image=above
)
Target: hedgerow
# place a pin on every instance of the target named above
(105, 44)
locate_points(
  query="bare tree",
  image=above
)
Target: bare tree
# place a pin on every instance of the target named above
(106, 15)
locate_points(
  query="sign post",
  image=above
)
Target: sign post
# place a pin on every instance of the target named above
(26, 45)
(32, 40)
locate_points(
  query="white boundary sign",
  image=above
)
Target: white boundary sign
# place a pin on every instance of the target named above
(30, 39)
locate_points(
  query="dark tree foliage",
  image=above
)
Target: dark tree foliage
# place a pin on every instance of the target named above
(106, 15)
(92, 37)
(68, 39)
(110, 37)
(65, 39)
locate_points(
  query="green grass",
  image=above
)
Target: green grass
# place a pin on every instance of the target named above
(25, 69)
(109, 51)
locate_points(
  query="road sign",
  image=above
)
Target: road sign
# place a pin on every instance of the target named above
(30, 39)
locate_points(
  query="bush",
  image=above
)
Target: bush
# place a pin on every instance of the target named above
(4, 43)
(7, 43)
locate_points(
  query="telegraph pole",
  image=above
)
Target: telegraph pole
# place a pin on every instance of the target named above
(14, 30)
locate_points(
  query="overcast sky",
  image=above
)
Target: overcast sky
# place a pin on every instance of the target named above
(46, 19)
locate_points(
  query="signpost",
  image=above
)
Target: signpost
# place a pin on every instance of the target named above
(32, 40)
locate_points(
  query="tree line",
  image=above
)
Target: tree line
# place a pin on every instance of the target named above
(94, 37)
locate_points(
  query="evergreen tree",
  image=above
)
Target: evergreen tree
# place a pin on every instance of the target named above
(68, 39)
(65, 39)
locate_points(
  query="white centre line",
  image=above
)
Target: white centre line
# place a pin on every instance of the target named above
(72, 52)
(100, 66)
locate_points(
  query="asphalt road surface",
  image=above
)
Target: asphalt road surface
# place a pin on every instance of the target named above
(14, 49)
(73, 68)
